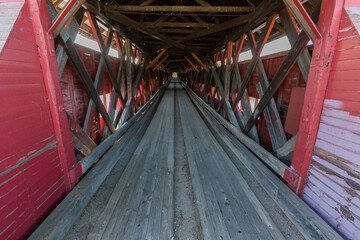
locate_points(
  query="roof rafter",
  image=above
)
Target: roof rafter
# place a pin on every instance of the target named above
(212, 9)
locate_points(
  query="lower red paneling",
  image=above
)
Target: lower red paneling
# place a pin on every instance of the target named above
(32, 181)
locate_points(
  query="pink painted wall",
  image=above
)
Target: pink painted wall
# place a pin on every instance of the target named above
(333, 181)
(32, 181)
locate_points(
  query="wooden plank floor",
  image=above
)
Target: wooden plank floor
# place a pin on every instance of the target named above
(140, 204)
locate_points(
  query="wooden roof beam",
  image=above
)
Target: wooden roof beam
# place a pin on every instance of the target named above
(156, 59)
(187, 59)
(142, 28)
(200, 62)
(179, 24)
(159, 64)
(207, 9)
(203, 3)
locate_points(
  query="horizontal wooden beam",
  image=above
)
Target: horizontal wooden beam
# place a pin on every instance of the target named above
(207, 9)
(179, 24)
(121, 30)
(142, 28)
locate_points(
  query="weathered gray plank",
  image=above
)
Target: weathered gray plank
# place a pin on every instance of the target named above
(305, 219)
(58, 223)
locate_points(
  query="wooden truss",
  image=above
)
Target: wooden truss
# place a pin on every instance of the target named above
(225, 90)
(133, 84)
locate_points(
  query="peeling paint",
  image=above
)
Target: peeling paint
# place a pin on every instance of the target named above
(24, 160)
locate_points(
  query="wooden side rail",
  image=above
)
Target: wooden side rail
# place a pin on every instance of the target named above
(58, 223)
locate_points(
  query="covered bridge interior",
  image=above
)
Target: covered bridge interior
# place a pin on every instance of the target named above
(178, 119)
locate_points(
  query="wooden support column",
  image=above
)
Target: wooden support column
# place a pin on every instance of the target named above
(227, 72)
(45, 49)
(271, 114)
(121, 75)
(320, 67)
(292, 31)
(129, 74)
(256, 55)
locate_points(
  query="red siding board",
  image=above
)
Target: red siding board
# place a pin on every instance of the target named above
(334, 176)
(21, 45)
(343, 95)
(18, 56)
(32, 181)
(343, 85)
(352, 75)
(345, 65)
(22, 34)
(13, 67)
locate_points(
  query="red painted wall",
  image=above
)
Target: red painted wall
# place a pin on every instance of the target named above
(31, 179)
(333, 181)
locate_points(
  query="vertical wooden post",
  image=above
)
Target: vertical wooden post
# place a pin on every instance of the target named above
(323, 53)
(128, 68)
(46, 50)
